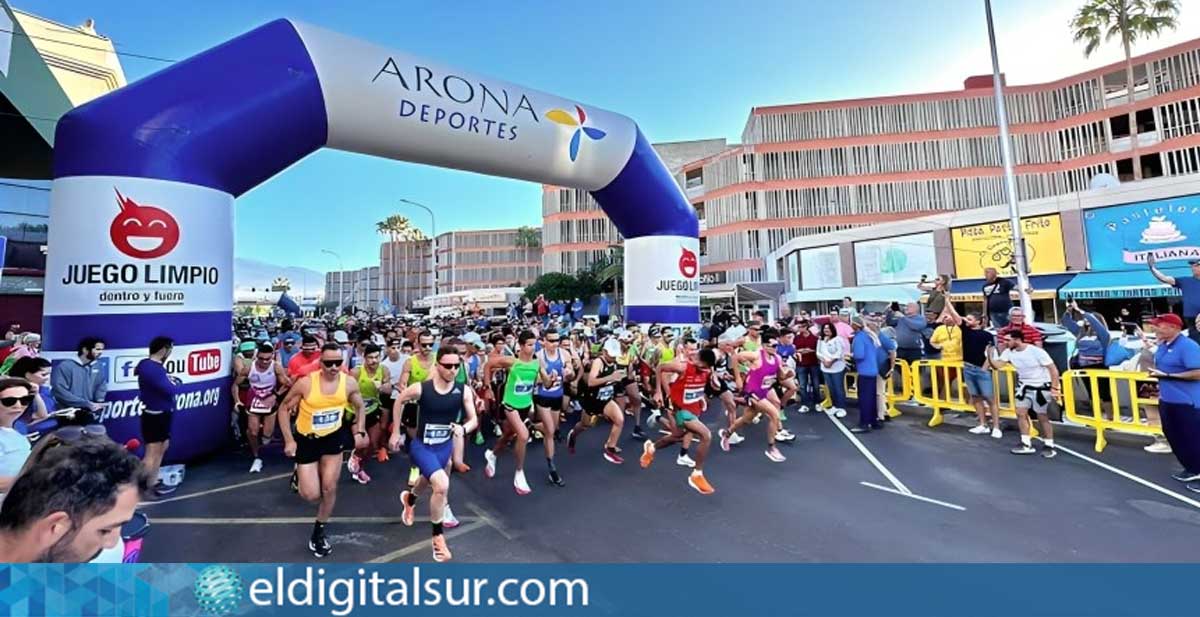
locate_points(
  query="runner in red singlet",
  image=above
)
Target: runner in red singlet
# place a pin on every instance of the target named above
(689, 400)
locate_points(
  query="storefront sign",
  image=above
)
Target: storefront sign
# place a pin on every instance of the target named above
(712, 278)
(1122, 237)
(990, 245)
(902, 259)
(821, 268)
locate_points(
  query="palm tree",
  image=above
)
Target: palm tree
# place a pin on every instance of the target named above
(527, 238)
(1099, 20)
(611, 268)
(398, 228)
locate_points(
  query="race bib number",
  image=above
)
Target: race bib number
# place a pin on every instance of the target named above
(436, 434)
(522, 388)
(768, 381)
(692, 395)
(326, 420)
(605, 393)
(262, 401)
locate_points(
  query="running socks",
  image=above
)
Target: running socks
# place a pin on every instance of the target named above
(437, 528)
(683, 451)
(550, 465)
(1026, 441)
(318, 529)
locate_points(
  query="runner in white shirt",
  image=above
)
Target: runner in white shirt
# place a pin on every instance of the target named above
(1037, 384)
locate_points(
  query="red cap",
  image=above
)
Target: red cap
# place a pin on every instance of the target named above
(1168, 319)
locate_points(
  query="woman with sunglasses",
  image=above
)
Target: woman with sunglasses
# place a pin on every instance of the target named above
(36, 370)
(548, 400)
(16, 395)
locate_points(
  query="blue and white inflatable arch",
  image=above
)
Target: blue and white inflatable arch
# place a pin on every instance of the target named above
(141, 234)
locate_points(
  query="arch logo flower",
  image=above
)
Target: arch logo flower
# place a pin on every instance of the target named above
(577, 122)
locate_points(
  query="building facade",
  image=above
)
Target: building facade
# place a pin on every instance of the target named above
(810, 169)
(487, 258)
(360, 288)
(406, 271)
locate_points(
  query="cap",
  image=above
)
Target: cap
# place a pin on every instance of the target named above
(626, 335)
(612, 347)
(857, 322)
(473, 338)
(340, 336)
(1168, 319)
(247, 346)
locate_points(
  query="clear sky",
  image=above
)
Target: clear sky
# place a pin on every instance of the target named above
(683, 69)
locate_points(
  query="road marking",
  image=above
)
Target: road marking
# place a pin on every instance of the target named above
(1125, 474)
(915, 496)
(425, 544)
(219, 489)
(290, 520)
(490, 520)
(871, 457)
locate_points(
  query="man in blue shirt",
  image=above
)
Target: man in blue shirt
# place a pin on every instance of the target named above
(157, 390)
(604, 309)
(1189, 287)
(865, 348)
(576, 311)
(1177, 367)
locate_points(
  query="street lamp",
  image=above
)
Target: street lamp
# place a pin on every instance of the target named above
(341, 279)
(433, 243)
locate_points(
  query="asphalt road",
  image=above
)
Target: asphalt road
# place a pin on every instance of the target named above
(950, 497)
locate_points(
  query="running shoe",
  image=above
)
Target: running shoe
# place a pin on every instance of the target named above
(256, 466)
(555, 479)
(647, 454)
(697, 481)
(1023, 450)
(1185, 476)
(684, 460)
(361, 477)
(571, 442)
(409, 514)
(441, 552)
(479, 438)
(576, 406)
(980, 429)
(382, 456)
(735, 439)
(498, 430)
(839, 412)
(611, 455)
(519, 483)
(414, 474)
(804, 409)
(638, 433)
(784, 435)
(353, 464)
(319, 545)
(489, 470)
(652, 419)
(997, 433)
(1160, 446)
(162, 490)
(449, 521)
(295, 482)
(724, 435)
(775, 455)
(757, 418)
(1049, 452)
(860, 429)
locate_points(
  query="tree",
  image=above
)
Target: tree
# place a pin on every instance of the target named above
(611, 269)
(527, 238)
(399, 228)
(1103, 20)
(554, 286)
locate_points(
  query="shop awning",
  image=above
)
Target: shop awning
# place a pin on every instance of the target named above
(899, 292)
(1120, 284)
(752, 292)
(1045, 287)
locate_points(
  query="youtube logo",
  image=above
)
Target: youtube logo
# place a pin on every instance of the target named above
(204, 362)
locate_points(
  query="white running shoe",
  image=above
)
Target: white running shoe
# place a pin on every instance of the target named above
(449, 521)
(784, 435)
(804, 409)
(997, 433)
(735, 439)
(1160, 446)
(353, 465)
(652, 419)
(839, 412)
(256, 466)
(724, 436)
(519, 483)
(775, 455)
(684, 460)
(489, 470)
(757, 418)
(980, 430)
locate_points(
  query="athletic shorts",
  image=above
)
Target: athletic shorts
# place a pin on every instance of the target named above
(523, 413)
(311, 449)
(761, 394)
(551, 402)
(156, 427)
(594, 407)
(429, 459)
(408, 415)
(683, 415)
(1036, 401)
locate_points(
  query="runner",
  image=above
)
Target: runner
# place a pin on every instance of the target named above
(418, 369)
(443, 406)
(524, 371)
(687, 395)
(308, 360)
(724, 385)
(764, 370)
(786, 388)
(319, 401)
(627, 364)
(256, 388)
(374, 382)
(597, 398)
(548, 401)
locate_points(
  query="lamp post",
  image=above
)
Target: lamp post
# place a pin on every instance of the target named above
(341, 279)
(433, 240)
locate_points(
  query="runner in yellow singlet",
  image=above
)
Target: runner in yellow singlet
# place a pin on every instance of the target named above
(319, 401)
(418, 369)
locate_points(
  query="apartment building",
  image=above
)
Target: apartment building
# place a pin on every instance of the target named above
(487, 258)
(361, 288)
(406, 271)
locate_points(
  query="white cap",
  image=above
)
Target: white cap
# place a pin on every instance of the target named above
(473, 338)
(341, 337)
(612, 347)
(626, 335)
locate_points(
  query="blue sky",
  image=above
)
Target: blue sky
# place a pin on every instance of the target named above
(683, 69)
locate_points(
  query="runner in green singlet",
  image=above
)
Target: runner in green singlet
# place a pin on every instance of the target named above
(373, 381)
(524, 371)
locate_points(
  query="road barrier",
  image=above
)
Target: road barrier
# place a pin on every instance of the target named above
(898, 387)
(948, 392)
(1122, 389)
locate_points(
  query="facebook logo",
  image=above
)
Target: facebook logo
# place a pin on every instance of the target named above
(123, 368)
(126, 368)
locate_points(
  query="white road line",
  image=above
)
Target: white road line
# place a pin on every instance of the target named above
(915, 496)
(289, 520)
(1125, 474)
(220, 489)
(486, 517)
(424, 544)
(871, 457)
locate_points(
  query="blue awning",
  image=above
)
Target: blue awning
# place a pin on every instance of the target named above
(1121, 284)
(1045, 286)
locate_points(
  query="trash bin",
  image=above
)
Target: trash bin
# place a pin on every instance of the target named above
(1058, 342)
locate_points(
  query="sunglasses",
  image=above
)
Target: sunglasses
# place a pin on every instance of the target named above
(12, 401)
(552, 340)
(451, 366)
(331, 363)
(289, 343)
(426, 345)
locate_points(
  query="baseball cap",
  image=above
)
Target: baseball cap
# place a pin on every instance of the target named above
(612, 347)
(1168, 319)
(473, 338)
(247, 346)
(340, 336)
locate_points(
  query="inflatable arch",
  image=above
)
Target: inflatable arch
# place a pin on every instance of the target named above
(141, 234)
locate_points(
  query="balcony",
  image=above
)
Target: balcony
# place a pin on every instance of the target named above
(1124, 144)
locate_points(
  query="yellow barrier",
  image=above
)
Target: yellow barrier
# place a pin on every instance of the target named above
(1118, 383)
(905, 383)
(953, 396)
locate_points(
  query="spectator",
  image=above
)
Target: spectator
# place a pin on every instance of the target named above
(909, 329)
(997, 298)
(1092, 339)
(935, 305)
(849, 308)
(157, 390)
(832, 351)
(78, 382)
(543, 309)
(576, 311)
(14, 329)
(865, 348)
(808, 367)
(841, 323)
(1189, 287)
(1177, 367)
(16, 395)
(1016, 322)
(887, 363)
(720, 322)
(604, 309)
(1037, 385)
(36, 371)
(977, 377)
(70, 501)
(28, 345)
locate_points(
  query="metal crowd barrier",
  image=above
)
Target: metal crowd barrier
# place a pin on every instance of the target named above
(948, 392)
(1123, 392)
(897, 389)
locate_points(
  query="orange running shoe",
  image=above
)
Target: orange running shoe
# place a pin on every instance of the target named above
(647, 453)
(698, 482)
(381, 455)
(409, 514)
(441, 552)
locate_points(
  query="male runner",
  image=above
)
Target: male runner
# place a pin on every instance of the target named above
(256, 387)
(687, 395)
(548, 401)
(765, 368)
(524, 371)
(418, 369)
(308, 360)
(443, 405)
(627, 363)
(597, 397)
(320, 401)
(724, 384)
(374, 382)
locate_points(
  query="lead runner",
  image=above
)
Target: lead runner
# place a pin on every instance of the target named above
(688, 397)
(443, 405)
